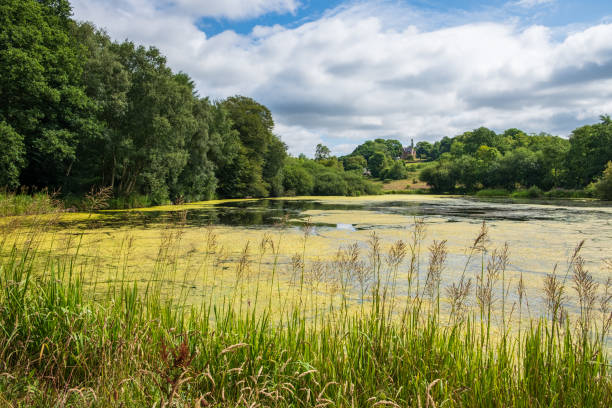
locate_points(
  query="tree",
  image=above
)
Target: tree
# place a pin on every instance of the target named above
(476, 138)
(41, 98)
(330, 183)
(424, 150)
(297, 180)
(441, 177)
(12, 153)
(254, 124)
(197, 181)
(377, 162)
(590, 150)
(394, 148)
(468, 171)
(322, 152)
(356, 162)
(603, 186)
(397, 171)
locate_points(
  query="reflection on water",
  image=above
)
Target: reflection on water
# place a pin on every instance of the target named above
(268, 212)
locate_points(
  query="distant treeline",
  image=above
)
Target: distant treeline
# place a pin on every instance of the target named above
(512, 160)
(78, 110)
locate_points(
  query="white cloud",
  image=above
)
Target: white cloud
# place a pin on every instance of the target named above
(365, 71)
(531, 3)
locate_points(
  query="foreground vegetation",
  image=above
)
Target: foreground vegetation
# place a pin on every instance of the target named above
(390, 333)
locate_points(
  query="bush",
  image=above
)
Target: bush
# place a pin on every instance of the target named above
(330, 184)
(440, 178)
(132, 201)
(603, 186)
(531, 192)
(298, 180)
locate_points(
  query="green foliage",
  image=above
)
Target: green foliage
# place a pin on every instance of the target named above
(12, 152)
(261, 154)
(304, 177)
(531, 192)
(41, 98)
(425, 151)
(514, 160)
(440, 177)
(297, 180)
(397, 171)
(590, 150)
(356, 162)
(603, 186)
(330, 183)
(377, 163)
(322, 152)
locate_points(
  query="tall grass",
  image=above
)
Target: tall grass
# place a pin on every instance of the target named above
(63, 343)
(24, 202)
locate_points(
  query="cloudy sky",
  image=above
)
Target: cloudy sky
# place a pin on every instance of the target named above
(340, 72)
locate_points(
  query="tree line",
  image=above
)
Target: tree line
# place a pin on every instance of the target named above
(512, 160)
(78, 110)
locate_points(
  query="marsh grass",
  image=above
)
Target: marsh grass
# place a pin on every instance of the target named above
(66, 343)
(26, 202)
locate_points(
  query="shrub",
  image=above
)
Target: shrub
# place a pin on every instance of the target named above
(603, 186)
(531, 192)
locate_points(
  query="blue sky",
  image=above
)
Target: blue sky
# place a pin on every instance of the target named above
(341, 72)
(549, 13)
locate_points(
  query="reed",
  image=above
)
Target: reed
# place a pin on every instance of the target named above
(62, 344)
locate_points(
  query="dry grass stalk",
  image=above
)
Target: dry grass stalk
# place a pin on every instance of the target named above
(244, 265)
(437, 260)
(97, 198)
(605, 308)
(485, 283)
(554, 295)
(586, 289)
(419, 231)
(458, 294)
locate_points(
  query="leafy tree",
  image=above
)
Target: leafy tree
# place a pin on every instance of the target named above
(590, 150)
(397, 171)
(322, 152)
(254, 125)
(468, 171)
(440, 177)
(487, 154)
(476, 138)
(40, 94)
(394, 147)
(197, 181)
(356, 162)
(390, 147)
(297, 180)
(330, 183)
(377, 162)
(11, 156)
(424, 150)
(603, 186)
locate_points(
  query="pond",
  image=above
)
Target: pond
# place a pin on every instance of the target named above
(541, 237)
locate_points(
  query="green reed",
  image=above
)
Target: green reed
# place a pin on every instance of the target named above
(64, 344)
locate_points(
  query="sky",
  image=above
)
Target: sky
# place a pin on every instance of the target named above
(341, 72)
